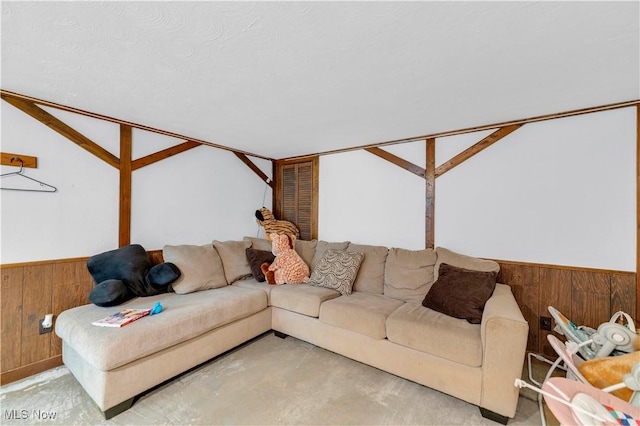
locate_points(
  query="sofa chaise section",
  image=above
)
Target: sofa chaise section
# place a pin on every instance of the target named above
(116, 364)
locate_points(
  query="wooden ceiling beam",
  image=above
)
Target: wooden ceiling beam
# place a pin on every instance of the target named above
(7, 94)
(401, 162)
(68, 132)
(255, 168)
(476, 148)
(471, 129)
(161, 155)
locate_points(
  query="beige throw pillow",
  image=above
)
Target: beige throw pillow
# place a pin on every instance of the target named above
(259, 243)
(200, 267)
(408, 274)
(370, 277)
(463, 261)
(306, 250)
(234, 259)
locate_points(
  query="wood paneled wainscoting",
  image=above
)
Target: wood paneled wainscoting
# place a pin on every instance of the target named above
(585, 296)
(30, 291)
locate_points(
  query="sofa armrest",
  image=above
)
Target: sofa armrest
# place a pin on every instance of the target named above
(504, 333)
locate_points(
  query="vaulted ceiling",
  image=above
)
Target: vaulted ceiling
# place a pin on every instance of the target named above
(282, 79)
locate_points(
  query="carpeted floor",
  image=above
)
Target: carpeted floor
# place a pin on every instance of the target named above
(266, 381)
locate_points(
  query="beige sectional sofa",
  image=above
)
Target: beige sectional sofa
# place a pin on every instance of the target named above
(382, 322)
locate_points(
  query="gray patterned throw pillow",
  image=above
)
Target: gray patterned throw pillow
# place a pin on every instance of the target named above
(337, 270)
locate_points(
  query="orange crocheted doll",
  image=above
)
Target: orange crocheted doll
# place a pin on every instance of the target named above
(288, 267)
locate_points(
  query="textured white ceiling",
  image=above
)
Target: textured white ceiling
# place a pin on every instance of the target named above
(281, 79)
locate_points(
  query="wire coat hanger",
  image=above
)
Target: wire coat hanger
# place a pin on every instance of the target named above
(20, 173)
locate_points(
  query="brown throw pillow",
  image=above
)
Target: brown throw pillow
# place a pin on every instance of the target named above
(461, 293)
(256, 258)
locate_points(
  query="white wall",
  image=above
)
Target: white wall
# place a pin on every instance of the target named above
(558, 192)
(191, 198)
(367, 200)
(195, 197)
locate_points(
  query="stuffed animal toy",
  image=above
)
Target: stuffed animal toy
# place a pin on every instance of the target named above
(265, 218)
(122, 274)
(288, 267)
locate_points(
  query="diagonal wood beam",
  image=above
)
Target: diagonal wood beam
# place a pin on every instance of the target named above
(255, 168)
(476, 148)
(73, 135)
(161, 155)
(407, 165)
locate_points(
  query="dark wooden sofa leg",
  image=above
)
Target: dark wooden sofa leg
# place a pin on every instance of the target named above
(279, 334)
(120, 408)
(488, 414)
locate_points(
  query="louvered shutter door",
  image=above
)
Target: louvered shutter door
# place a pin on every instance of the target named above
(298, 197)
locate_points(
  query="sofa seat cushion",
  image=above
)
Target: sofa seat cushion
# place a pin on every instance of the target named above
(414, 326)
(256, 285)
(363, 313)
(183, 317)
(301, 298)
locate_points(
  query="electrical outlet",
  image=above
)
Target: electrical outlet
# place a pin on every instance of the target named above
(545, 323)
(44, 330)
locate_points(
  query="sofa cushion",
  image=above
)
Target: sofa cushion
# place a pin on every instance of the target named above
(259, 243)
(234, 259)
(463, 261)
(370, 277)
(306, 250)
(184, 317)
(336, 270)
(200, 267)
(256, 258)
(461, 293)
(301, 298)
(363, 313)
(253, 284)
(414, 326)
(323, 246)
(408, 274)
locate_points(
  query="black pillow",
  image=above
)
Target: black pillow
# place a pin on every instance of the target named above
(461, 293)
(163, 274)
(128, 264)
(110, 293)
(256, 258)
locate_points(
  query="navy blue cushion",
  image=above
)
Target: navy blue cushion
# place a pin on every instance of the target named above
(110, 293)
(163, 274)
(131, 266)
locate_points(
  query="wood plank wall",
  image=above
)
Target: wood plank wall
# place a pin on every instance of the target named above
(29, 291)
(586, 296)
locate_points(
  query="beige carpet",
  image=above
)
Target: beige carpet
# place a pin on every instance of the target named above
(266, 381)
